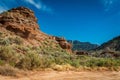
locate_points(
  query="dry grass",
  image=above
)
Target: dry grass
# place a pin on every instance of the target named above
(8, 70)
(65, 67)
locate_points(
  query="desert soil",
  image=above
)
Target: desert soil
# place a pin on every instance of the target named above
(67, 75)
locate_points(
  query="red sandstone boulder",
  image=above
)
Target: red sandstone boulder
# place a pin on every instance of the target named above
(63, 43)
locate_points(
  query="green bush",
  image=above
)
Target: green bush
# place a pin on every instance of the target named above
(9, 55)
(6, 53)
(76, 63)
(5, 41)
(34, 57)
(30, 60)
(2, 62)
(102, 62)
(47, 61)
(18, 40)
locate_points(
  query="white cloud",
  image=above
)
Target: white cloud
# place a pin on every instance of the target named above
(39, 5)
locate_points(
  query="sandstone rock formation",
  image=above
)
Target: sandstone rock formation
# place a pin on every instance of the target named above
(20, 20)
(63, 43)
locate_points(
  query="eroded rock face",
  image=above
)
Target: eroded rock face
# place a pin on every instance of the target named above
(63, 43)
(20, 20)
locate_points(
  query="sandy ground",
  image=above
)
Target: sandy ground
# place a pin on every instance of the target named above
(67, 75)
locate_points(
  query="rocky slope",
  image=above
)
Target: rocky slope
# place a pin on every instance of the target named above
(21, 24)
(113, 44)
(109, 49)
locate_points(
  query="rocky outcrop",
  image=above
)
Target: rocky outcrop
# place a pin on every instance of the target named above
(20, 20)
(63, 43)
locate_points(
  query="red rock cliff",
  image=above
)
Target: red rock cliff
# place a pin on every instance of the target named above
(20, 20)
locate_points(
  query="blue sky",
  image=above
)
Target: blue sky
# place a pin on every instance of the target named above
(94, 21)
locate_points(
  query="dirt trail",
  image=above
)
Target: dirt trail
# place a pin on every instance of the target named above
(67, 75)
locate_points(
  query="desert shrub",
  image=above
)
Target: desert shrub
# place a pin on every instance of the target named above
(34, 58)
(30, 60)
(1, 34)
(7, 70)
(79, 60)
(16, 40)
(8, 55)
(102, 62)
(62, 67)
(45, 42)
(22, 48)
(4, 41)
(2, 62)
(47, 61)
(61, 58)
(37, 49)
(75, 63)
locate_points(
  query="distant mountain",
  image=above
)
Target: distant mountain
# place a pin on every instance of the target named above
(77, 45)
(113, 44)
